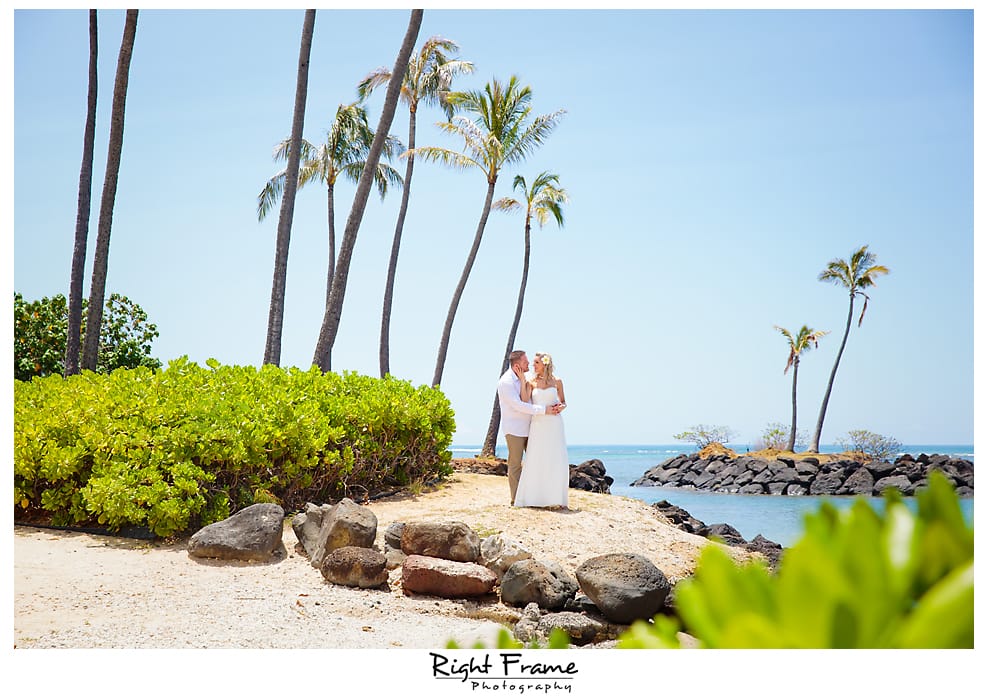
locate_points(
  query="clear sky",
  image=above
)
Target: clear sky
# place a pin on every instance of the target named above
(715, 160)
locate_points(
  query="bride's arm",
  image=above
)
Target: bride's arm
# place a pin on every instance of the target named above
(559, 391)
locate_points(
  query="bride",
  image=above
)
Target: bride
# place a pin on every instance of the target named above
(545, 479)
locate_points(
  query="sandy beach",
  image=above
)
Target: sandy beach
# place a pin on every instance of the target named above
(77, 590)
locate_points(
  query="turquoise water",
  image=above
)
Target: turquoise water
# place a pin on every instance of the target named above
(777, 517)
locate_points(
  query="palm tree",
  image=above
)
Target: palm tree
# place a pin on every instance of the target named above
(854, 274)
(799, 344)
(82, 211)
(344, 152)
(334, 305)
(427, 81)
(543, 201)
(276, 307)
(500, 136)
(97, 289)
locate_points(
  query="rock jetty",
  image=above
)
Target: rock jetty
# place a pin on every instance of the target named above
(788, 474)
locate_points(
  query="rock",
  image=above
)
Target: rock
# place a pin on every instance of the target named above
(253, 534)
(770, 549)
(725, 532)
(394, 557)
(454, 541)
(581, 629)
(752, 489)
(546, 583)
(345, 524)
(811, 460)
(827, 483)
(624, 586)
(796, 489)
(861, 482)
(445, 578)
(355, 567)
(393, 534)
(679, 517)
(590, 475)
(525, 627)
(499, 552)
(307, 524)
(901, 483)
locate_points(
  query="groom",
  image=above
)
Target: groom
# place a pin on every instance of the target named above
(516, 414)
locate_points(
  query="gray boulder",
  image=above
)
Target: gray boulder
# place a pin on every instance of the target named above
(499, 552)
(444, 578)
(624, 586)
(307, 524)
(827, 483)
(546, 583)
(355, 567)
(861, 482)
(253, 534)
(345, 524)
(901, 483)
(454, 541)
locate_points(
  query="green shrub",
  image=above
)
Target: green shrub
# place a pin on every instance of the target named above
(188, 445)
(41, 331)
(875, 446)
(702, 435)
(856, 579)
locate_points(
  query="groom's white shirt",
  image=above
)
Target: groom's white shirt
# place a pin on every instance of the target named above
(515, 413)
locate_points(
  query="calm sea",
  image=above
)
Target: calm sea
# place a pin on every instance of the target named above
(777, 517)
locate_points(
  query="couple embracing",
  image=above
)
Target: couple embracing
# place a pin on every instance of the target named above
(531, 404)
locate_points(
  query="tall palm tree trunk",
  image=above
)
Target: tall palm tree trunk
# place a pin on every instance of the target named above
(97, 290)
(334, 307)
(815, 441)
(452, 312)
(491, 438)
(276, 307)
(383, 346)
(82, 211)
(791, 443)
(331, 265)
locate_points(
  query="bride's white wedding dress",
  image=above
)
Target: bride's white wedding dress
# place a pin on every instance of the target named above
(545, 479)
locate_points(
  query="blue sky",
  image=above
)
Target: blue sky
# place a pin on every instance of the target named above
(715, 160)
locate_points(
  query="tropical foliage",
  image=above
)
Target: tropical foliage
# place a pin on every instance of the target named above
(856, 273)
(856, 579)
(41, 329)
(186, 446)
(500, 134)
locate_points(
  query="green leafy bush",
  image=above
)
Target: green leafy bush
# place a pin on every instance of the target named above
(856, 579)
(188, 445)
(41, 331)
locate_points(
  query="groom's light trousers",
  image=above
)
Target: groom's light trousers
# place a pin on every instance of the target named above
(516, 447)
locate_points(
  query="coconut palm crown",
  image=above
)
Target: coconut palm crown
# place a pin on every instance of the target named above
(427, 81)
(501, 134)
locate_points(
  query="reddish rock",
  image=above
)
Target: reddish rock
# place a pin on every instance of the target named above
(442, 578)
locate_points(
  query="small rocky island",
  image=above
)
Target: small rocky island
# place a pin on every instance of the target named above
(717, 469)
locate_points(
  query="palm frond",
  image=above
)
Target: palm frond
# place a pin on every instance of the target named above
(376, 78)
(507, 204)
(270, 194)
(446, 157)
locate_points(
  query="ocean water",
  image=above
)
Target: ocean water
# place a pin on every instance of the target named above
(777, 517)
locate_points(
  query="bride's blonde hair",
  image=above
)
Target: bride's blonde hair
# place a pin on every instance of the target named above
(547, 364)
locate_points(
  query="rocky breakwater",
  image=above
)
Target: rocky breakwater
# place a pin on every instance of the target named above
(789, 474)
